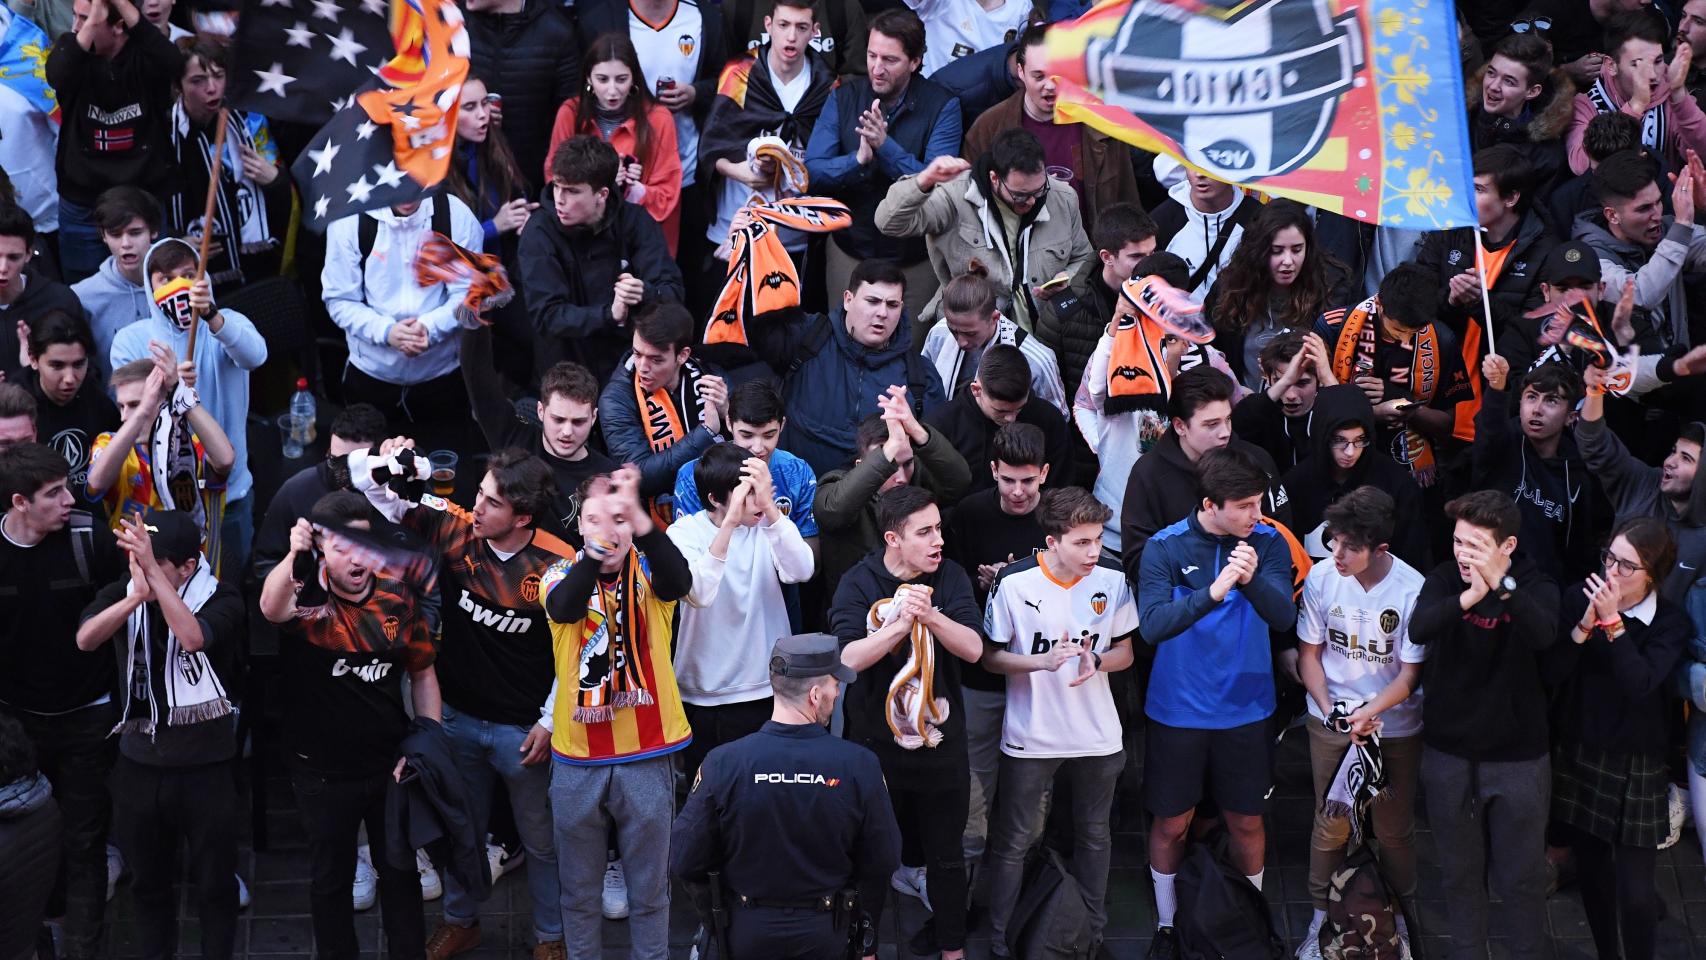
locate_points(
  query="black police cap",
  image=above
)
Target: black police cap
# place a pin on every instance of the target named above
(809, 655)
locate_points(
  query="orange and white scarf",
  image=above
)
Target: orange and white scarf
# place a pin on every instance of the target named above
(762, 276)
(915, 714)
(442, 260)
(1149, 311)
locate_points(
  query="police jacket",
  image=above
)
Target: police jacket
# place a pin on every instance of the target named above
(924, 125)
(788, 813)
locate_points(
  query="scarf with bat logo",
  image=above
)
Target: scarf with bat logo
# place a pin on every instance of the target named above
(1149, 311)
(667, 423)
(762, 276)
(442, 260)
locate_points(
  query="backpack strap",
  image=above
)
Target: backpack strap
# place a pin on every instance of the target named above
(812, 344)
(82, 527)
(916, 381)
(1241, 216)
(441, 215)
(366, 234)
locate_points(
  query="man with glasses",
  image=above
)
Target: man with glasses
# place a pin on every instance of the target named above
(1034, 239)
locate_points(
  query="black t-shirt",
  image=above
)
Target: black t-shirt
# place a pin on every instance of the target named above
(223, 618)
(43, 590)
(980, 532)
(569, 474)
(72, 430)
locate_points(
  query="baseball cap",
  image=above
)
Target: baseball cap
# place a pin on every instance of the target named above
(175, 536)
(1573, 260)
(810, 655)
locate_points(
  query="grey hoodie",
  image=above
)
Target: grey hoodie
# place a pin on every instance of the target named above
(113, 304)
(1657, 274)
(222, 361)
(1633, 489)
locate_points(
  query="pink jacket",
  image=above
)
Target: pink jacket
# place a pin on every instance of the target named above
(1687, 124)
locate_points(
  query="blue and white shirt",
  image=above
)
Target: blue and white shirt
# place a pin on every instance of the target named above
(795, 483)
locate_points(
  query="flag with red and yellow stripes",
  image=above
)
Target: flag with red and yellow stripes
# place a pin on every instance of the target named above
(1352, 106)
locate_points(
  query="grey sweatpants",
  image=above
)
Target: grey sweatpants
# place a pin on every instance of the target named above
(639, 797)
(1508, 802)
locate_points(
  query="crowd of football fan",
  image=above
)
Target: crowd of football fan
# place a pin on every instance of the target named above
(1432, 496)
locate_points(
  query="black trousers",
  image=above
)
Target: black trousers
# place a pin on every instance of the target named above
(434, 412)
(780, 934)
(333, 810)
(75, 754)
(1618, 895)
(29, 858)
(165, 808)
(935, 820)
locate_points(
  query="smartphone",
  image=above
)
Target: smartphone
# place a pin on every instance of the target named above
(666, 83)
(1057, 282)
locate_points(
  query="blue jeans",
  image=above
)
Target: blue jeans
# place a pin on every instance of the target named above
(482, 748)
(236, 535)
(81, 250)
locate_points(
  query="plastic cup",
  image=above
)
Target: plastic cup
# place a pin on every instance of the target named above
(442, 464)
(293, 434)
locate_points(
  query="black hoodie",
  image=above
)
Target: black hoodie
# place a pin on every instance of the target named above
(1313, 488)
(866, 583)
(1557, 495)
(117, 114)
(40, 295)
(1162, 490)
(569, 275)
(1485, 701)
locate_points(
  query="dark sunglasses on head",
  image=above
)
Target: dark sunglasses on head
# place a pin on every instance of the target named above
(1536, 24)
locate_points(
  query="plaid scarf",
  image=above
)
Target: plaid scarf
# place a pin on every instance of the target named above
(914, 712)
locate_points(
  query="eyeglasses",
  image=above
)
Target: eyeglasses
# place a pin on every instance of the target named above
(1537, 24)
(1026, 196)
(1612, 561)
(1349, 445)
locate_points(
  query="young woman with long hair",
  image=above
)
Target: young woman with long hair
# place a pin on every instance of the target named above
(484, 174)
(1612, 671)
(617, 107)
(1278, 279)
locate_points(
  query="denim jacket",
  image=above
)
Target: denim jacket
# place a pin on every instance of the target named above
(1690, 679)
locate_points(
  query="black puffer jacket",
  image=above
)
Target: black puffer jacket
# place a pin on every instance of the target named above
(1071, 324)
(532, 60)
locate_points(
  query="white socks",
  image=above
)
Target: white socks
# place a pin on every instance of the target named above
(1256, 879)
(1166, 898)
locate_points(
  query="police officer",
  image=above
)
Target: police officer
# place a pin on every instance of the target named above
(790, 817)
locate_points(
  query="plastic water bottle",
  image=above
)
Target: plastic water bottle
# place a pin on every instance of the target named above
(302, 408)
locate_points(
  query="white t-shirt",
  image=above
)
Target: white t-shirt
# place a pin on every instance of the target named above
(672, 49)
(960, 28)
(1028, 612)
(1367, 634)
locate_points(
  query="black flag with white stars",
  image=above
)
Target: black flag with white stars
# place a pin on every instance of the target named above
(351, 166)
(300, 59)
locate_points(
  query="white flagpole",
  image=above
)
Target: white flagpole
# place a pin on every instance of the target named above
(1486, 298)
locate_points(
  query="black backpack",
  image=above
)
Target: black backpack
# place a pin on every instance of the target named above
(1221, 914)
(1050, 920)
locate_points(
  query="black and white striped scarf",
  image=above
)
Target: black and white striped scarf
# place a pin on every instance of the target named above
(1654, 123)
(239, 208)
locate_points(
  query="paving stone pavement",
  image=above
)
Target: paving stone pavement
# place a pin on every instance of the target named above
(276, 926)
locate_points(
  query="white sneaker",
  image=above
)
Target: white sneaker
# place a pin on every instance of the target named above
(366, 887)
(1678, 816)
(911, 881)
(1310, 947)
(242, 893)
(115, 869)
(502, 861)
(615, 892)
(431, 886)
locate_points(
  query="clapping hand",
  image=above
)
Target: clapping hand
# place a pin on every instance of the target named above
(1086, 667)
(1602, 598)
(1058, 655)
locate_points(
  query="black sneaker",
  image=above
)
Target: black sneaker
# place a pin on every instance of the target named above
(1165, 946)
